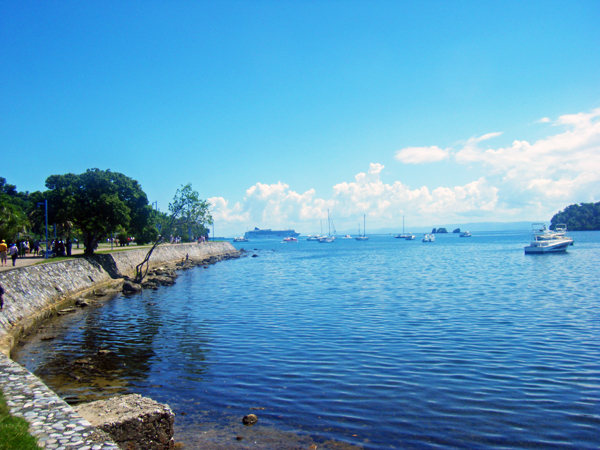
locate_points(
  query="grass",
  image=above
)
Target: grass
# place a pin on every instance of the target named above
(14, 431)
(102, 249)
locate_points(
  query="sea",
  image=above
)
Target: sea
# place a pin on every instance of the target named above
(461, 343)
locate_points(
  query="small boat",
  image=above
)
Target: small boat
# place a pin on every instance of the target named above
(329, 238)
(313, 237)
(429, 238)
(465, 234)
(408, 237)
(347, 237)
(240, 239)
(363, 237)
(548, 241)
(290, 239)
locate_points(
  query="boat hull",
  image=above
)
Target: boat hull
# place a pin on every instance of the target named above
(538, 247)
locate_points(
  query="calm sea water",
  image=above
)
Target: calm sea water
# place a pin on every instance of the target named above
(461, 343)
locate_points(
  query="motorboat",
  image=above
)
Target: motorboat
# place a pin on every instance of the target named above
(327, 239)
(548, 241)
(410, 237)
(347, 237)
(429, 238)
(560, 230)
(240, 239)
(313, 237)
(465, 234)
(290, 239)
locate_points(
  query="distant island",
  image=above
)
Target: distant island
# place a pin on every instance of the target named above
(582, 217)
(439, 230)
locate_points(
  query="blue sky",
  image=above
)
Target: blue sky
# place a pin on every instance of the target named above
(445, 112)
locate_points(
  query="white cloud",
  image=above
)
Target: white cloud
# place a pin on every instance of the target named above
(564, 166)
(419, 155)
(523, 181)
(272, 206)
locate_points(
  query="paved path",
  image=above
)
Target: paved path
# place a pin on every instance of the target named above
(51, 420)
(29, 260)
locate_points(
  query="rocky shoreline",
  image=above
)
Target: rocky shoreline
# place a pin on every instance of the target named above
(36, 293)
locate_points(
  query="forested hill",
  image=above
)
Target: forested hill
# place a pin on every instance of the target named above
(582, 217)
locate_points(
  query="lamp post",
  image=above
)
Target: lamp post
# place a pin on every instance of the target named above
(46, 208)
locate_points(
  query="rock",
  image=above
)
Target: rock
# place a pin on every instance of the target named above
(102, 352)
(255, 256)
(62, 312)
(150, 285)
(249, 420)
(239, 438)
(162, 280)
(81, 303)
(132, 421)
(130, 288)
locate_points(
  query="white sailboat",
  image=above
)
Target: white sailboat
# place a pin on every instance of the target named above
(363, 237)
(408, 237)
(315, 237)
(329, 238)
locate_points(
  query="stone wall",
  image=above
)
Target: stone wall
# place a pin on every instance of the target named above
(34, 293)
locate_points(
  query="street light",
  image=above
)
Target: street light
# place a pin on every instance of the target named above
(46, 208)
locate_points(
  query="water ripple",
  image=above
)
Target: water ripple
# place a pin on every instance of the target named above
(383, 344)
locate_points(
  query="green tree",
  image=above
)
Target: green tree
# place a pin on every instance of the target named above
(190, 213)
(12, 218)
(187, 210)
(97, 202)
(582, 217)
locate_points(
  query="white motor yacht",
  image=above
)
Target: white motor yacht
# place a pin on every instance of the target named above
(429, 238)
(548, 241)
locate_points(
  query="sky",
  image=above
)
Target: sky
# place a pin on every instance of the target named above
(278, 111)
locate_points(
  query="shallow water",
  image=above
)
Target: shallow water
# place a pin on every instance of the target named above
(461, 343)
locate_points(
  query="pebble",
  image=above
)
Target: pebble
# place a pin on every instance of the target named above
(51, 420)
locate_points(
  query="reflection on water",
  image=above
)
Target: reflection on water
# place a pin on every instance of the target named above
(462, 343)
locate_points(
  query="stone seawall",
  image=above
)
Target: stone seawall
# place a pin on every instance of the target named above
(34, 293)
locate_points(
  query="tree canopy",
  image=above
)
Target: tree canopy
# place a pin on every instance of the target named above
(581, 217)
(188, 212)
(97, 202)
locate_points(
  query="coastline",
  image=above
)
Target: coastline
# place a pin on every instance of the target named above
(35, 293)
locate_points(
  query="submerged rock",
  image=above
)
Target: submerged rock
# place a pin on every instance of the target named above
(249, 420)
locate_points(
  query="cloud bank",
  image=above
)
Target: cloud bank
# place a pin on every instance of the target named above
(524, 181)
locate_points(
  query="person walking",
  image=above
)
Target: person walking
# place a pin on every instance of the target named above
(14, 252)
(3, 252)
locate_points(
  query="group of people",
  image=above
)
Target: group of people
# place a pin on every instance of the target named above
(22, 248)
(6, 250)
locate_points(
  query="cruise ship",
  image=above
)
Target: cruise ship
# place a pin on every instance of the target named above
(268, 233)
